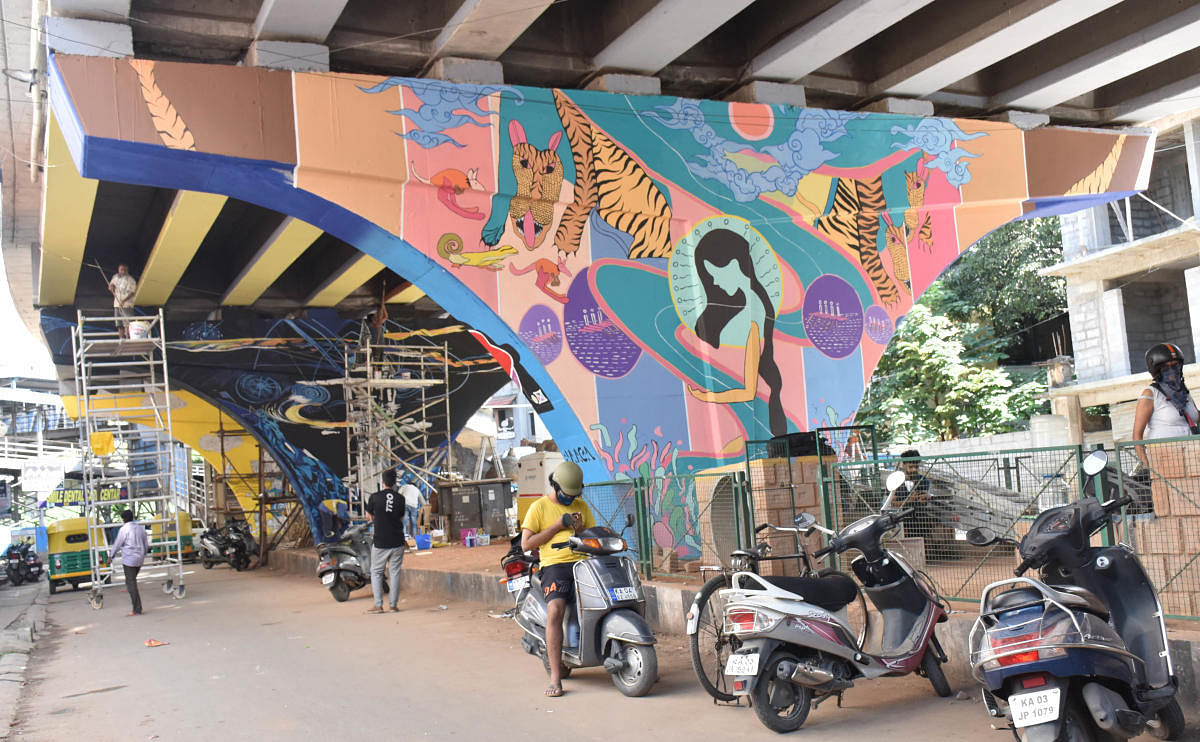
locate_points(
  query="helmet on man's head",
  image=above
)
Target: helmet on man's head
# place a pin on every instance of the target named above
(1160, 355)
(568, 477)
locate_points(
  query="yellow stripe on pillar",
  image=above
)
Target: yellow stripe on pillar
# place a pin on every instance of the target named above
(281, 249)
(191, 216)
(353, 274)
(66, 215)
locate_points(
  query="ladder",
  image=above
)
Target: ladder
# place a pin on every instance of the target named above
(123, 393)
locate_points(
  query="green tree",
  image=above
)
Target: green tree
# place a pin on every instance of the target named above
(996, 284)
(929, 385)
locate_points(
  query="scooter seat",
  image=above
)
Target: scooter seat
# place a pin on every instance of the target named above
(832, 593)
(1069, 595)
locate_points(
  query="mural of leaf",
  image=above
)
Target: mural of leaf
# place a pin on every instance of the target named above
(170, 125)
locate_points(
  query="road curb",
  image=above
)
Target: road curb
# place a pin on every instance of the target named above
(17, 641)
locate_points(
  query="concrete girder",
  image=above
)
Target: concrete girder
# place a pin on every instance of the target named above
(191, 215)
(297, 20)
(287, 243)
(484, 29)
(353, 273)
(1143, 48)
(669, 29)
(828, 36)
(66, 217)
(1006, 31)
(1164, 89)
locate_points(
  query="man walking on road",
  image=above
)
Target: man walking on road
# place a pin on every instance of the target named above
(386, 510)
(133, 544)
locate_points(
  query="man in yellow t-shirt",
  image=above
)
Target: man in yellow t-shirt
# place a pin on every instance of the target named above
(553, 519)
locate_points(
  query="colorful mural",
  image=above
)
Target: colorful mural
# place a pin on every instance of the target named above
(678, 277)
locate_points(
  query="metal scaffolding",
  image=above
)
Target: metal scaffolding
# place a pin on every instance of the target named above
(397, 413)
(117, 380)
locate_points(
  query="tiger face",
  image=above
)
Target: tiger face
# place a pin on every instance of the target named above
(539, 177)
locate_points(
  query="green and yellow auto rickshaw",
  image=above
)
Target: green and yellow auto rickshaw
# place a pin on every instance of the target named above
(69, 561)
(182, 526)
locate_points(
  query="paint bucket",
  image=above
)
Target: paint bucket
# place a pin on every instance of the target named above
(424, 541)
(139, 330)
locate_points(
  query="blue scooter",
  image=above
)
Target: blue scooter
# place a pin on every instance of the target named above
(1079, 655)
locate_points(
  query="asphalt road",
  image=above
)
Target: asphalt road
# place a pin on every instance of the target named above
(262, 656)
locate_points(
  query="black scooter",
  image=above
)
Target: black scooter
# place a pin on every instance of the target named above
(1081, 654)
(605, 626)
(23, 564)
(232, 543)
(345, 565)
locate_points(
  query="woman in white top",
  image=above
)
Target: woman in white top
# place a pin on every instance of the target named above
(1165, 408)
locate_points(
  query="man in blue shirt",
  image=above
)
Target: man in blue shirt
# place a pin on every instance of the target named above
(133, 544)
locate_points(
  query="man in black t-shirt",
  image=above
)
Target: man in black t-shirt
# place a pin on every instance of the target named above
(386, 511)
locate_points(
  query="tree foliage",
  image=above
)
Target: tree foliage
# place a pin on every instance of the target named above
(996, 284)
(929, 385)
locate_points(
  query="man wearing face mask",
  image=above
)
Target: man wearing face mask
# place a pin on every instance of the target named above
(553, 519)
(1165, 409)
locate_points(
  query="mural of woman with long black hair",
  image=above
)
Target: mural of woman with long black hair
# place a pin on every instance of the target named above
(733, 304)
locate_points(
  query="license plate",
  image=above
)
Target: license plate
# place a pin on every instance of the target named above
(328, 579)
(518, 583)
(623, 593)
(742, 664)
(1034, 708)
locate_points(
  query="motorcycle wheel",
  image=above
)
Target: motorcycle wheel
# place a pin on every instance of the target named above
(206, 563)
(932, 669)
(639, 669)
(1169, 722)
(710, 645)
(780, 705)
(237, 562)
(340, 591)
(14, 579)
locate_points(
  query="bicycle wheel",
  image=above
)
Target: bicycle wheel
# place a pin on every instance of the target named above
(711, 646)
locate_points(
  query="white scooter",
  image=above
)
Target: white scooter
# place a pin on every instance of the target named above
(797, 643)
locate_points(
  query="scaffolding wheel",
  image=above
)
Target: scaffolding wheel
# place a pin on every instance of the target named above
(167, 587)
(96, 599)
(180, 592)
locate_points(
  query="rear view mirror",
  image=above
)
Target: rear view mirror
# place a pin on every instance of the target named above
(894, 480)
(629, 520)
(804, 521)
(1095, 462)
(982, 537)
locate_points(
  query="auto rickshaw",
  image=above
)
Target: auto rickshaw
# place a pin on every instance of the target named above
(69, 561)
(182, 526)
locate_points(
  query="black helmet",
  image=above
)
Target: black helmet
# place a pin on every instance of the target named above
(1160, 355)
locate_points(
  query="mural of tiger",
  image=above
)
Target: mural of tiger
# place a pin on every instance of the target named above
(852, 221)
(608, 180)
(539, 180)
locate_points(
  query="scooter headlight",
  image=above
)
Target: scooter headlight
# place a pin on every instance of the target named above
(739, 563)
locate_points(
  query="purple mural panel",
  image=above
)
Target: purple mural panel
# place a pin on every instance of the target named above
(595, 341)
(541, 331)
(879, 324)
(833, 316)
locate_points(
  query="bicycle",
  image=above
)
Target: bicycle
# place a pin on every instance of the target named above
(710, 645)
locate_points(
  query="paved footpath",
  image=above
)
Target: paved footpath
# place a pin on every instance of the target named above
(263, 656)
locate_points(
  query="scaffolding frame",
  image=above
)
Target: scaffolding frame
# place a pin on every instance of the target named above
(378, 435)
(117, 377)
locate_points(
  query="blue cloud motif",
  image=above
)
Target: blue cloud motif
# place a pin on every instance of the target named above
(443, 106)
(799, 155)
(938, 137)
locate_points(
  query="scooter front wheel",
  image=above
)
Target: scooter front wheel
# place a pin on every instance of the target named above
(639, 669)
(781, 705)
(1169, 723)
(932, 669)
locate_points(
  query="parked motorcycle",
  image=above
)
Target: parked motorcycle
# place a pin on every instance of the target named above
(232, 543)
(798, 647)
(604, 626)
(1079, 654)
(22, 563)
(345, 565)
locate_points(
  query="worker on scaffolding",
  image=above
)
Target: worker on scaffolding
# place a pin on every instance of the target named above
(123, 286)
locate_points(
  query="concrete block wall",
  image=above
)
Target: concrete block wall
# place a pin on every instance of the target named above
(1154, 313)
(1084, 303)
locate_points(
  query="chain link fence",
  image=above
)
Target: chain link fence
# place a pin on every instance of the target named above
(1163, 523)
